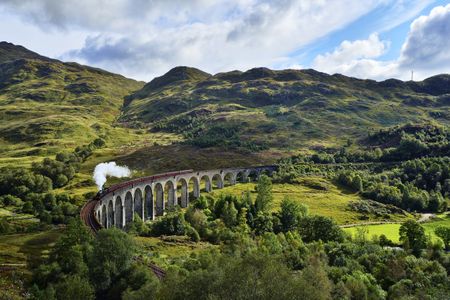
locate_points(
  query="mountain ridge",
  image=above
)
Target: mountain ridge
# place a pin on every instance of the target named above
(307, 106)
(439, 82)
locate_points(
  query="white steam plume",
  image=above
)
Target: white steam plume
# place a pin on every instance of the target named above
(102, 170)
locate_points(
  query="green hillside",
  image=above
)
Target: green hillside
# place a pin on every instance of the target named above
(289, 109)
(46, 105)
(255, 116)
(188, 118)
(350, 153)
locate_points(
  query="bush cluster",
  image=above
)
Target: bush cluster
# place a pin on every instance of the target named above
(31, 191)
(419, 185)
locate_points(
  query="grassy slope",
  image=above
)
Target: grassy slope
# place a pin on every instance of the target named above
(180, 157)
(26, 248)
(330, 201)
(47, 106)
(17, 253)
(392, 230)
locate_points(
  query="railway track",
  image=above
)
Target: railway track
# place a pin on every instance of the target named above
(88, 217)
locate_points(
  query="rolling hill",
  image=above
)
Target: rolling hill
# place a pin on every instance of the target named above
(228, 118)
(46, 104)
(285, 109)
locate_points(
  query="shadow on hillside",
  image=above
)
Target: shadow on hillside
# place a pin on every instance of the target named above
(36, 249)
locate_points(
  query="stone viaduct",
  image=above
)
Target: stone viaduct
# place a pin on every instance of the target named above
(149, 196)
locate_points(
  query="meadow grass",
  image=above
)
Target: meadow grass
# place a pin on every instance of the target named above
(391, 231)
(320, 195)
(166, 250)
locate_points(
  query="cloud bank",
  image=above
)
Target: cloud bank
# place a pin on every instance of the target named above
(145, 38)
(425, 50)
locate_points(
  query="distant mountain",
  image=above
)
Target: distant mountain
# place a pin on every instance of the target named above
(283, 109)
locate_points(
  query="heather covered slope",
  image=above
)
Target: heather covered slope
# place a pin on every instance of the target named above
(286, 109)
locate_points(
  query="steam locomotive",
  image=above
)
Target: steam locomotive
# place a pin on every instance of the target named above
(103, 192)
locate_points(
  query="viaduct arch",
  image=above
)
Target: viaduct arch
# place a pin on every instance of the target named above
(148, 197)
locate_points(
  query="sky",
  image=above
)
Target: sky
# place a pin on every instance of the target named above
(142, 39)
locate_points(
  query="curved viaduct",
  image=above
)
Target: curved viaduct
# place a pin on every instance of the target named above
(149, 196)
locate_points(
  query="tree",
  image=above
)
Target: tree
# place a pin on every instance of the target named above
(444, 233)
(264, 198)
(412, 235)
(27, 208)
(137, 226)
(197, 218)
(315, 282)
(112, 254)
(4, 225)
(357, 183)
(291, 214)
(229, 214)
(74, 288)
(72, 249)
(99, 142)
(322, 228)
(262, 223)
(247, 199)
(172, 223)
(363, 286)
(437, 202)
(60, 180)
(148, 291)
(242, 220)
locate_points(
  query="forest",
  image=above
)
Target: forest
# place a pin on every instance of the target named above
(259, 253)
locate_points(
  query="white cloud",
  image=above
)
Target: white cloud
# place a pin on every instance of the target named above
(354, 58)
(427, 47)
(146, 38)
(425, 51)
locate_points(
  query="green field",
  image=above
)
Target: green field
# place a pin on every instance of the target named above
(320, 195)
(391, 231)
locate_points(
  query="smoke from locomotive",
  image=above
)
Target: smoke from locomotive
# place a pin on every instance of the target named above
(109, 169)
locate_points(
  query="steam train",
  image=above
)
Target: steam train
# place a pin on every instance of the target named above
(103, 192)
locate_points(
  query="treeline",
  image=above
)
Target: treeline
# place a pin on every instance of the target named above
(419, 185)
(31, 191)
(394, 144)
